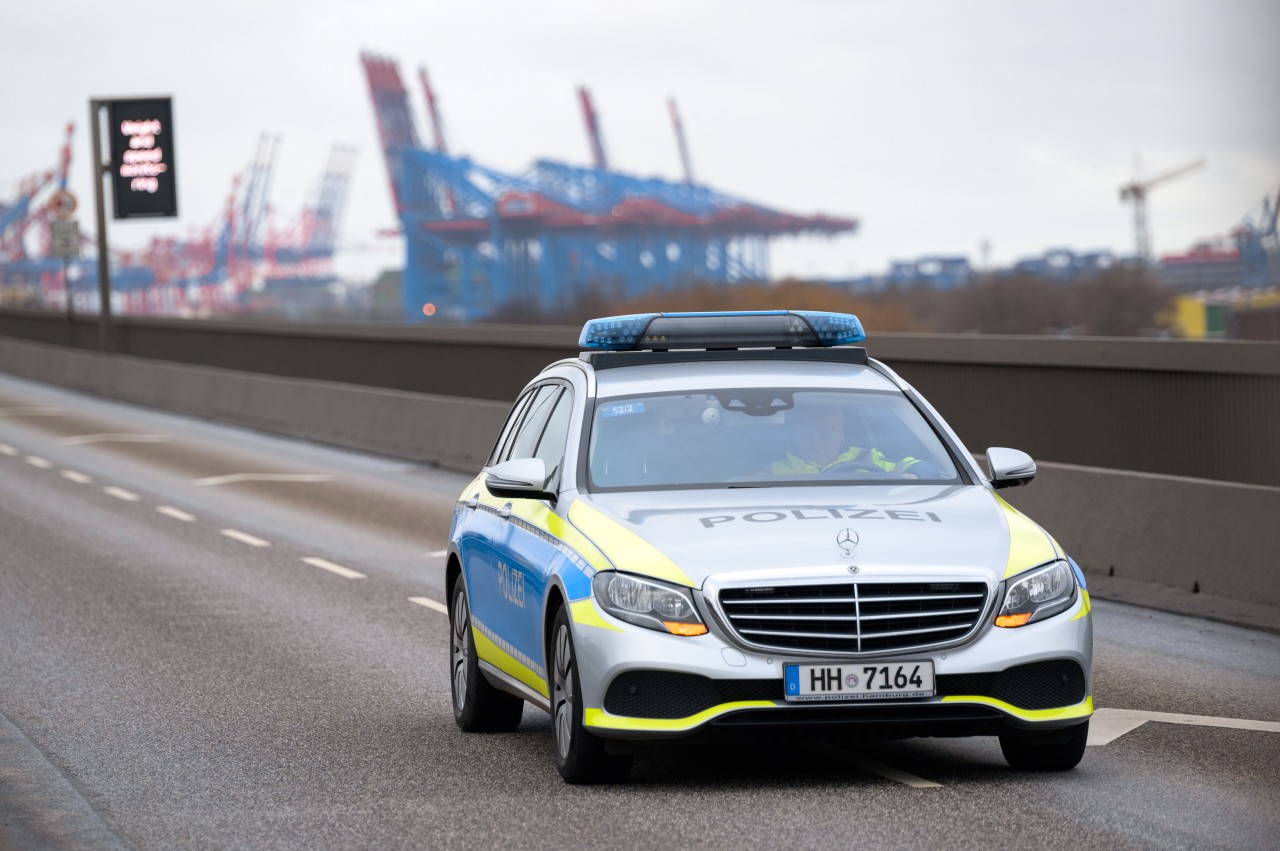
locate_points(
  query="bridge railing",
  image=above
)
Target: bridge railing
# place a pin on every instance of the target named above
(1207, 410)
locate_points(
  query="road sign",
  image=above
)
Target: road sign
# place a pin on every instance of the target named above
(144, 181)
(63, 204)
(66, 239)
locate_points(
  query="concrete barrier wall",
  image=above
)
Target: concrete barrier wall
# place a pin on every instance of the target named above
(1181, 408)
(452, 432)
(1211, 538)
(1157, 531)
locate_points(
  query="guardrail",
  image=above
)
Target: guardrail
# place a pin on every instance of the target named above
(1206, 410)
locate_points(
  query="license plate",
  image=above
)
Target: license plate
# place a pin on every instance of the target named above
(859, 681)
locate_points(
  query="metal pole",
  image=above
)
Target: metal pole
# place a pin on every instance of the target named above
(71, 308)
(104, 259)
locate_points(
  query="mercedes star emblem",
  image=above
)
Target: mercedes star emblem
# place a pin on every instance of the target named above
(847, 539)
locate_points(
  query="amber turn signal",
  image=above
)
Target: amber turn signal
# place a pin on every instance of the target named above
(1013, 620)
(678, 628)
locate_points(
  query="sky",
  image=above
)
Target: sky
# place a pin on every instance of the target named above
(939, 125)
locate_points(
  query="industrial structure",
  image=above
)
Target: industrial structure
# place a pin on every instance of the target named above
(1136, 191)
(211, 270)
(478, 239)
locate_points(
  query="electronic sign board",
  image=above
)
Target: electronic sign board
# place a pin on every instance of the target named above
(143, 177)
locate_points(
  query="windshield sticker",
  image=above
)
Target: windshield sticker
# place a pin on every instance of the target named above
(621, 409)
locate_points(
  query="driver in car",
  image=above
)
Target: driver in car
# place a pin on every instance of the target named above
(819, 445)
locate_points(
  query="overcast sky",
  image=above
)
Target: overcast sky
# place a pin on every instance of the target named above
(938, 124)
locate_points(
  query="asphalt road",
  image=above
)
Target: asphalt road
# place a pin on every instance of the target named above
(188, 661)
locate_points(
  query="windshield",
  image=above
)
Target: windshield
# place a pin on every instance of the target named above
(760, 438)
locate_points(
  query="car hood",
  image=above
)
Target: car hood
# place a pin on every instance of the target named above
(898, 531)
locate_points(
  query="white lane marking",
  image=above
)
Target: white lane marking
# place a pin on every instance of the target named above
(888, 772)
(1107, 725)
(175, 513)
(81, 439)
(37, 461)
(121, 493)
(6, 449)
(30, 412)
(245, 538)
(234, 478)
(430, 604)
(438, 553)
(325, 564)
(78, 478)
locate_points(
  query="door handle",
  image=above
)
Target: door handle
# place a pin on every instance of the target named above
(474, 501)
(505, 511)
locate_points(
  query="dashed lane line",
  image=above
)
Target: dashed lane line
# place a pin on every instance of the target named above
(438, 553)
(888, 772)
(78, 478)
(245, 538)
(30, 411)
(121, 493)
(37, 461)
(82, 439)
(324, 564)
(175, 513)
(6, 449)
(430, 604)
(1107, 725)
(236, 478)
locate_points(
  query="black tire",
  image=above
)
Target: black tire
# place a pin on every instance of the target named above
(580, 756)
(478, 707)
(1052, 750)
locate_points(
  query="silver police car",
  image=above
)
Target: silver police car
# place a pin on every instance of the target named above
(738, 524)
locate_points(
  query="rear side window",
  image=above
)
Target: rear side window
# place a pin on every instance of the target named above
(513, 420)
(526, 437)
(551, 446)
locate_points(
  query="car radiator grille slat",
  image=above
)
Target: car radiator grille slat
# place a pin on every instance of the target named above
(859, 617)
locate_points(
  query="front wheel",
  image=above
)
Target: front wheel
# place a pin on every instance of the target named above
(1052, 750)
(580, 756)
(478, 707)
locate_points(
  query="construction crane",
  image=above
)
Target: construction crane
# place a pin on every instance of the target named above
(433, 110)
(1136, 191)
(680, 141)
(592, 120)
(1258, 241)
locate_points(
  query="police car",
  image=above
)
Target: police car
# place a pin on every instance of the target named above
(735, 524)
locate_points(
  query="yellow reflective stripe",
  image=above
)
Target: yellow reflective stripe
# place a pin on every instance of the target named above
(536, 514)
(1085, 605)
(1081, 710)
(506, 663)
(1029, 546)
(600, 719)
(627, 550)
(585, 613)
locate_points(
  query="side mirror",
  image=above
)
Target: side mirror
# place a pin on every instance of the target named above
(1009, 468)
(520, 478)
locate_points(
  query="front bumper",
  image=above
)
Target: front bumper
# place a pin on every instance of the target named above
(641, 684)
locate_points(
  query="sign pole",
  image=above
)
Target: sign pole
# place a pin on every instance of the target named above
(66, 287)
(100, 170)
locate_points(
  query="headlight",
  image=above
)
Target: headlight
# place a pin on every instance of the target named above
(644, 602)
(1038, 594)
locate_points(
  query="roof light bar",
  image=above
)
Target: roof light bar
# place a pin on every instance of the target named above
(723, 330)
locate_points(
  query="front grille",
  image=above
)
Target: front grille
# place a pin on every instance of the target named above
(854, 617)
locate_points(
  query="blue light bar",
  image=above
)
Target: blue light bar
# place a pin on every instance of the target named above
(739, 329)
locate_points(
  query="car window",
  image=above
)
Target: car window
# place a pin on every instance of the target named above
(762, 437)
(551, 445)
(513, 420)
(526, 437)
